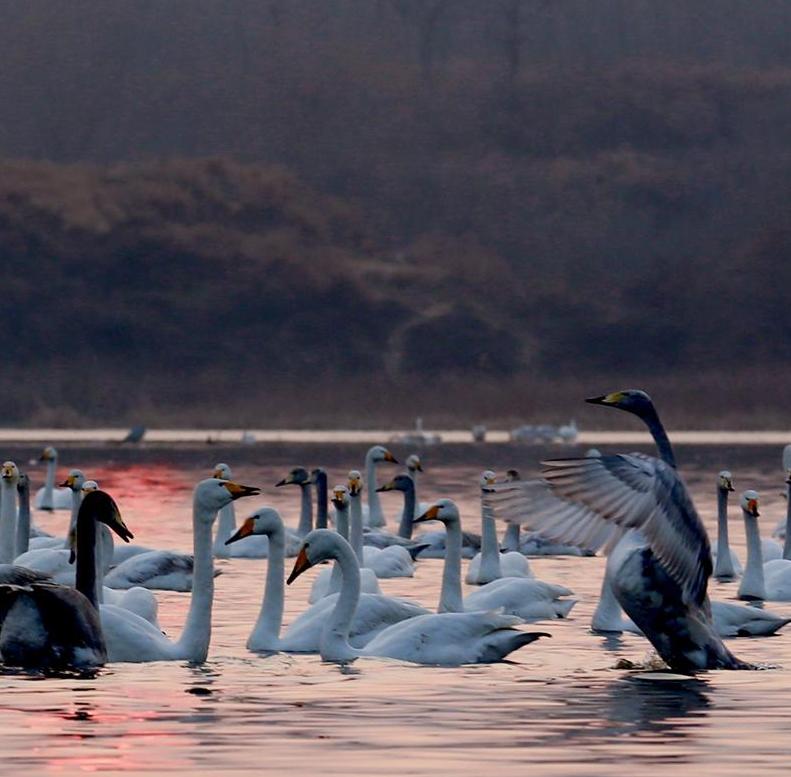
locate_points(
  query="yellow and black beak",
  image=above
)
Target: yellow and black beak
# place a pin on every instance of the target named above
(217, 474)
(606, 399)
(419, 467)
(301, 563)
(68, 483)
(729, 486)
(752, 507)
(286, 481)
(238, 491)
(389, 457)
(430, 515)
(8, 472)
(112, 518)
(245, 530)
(391, 486)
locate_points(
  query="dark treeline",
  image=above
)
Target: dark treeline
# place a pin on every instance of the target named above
(204, 198)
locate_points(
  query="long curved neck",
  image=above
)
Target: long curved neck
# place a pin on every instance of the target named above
(342, 527)
(408, 515)
(651, 419)
(787, 543)
(321, 500)
(270, 616)
(490, 549)
(450, 599)
(511, 538)
(226, 526)
(104, 558)
(356, 525)
(76, 501)
(194, 640)
(375, 517)
(7, 522)
(335, 636)
(85, 573)
(413, 475)
(48, 500)
(305, 511)
(724, 565)
(23, 521)
(752, 584)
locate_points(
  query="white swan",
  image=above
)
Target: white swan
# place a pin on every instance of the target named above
(525, 598)
(257, 546)
(133, 639)
(446, 639)
(660, 568)
(726, 563)
(375, 612)
(328, 581)
(49, 497)
(373, 515)
(51, 626)
(490, 564)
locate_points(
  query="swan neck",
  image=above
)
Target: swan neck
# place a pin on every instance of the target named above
(752, 584)
(375, 517)
(305, 511)
(226, 526)
(321, 501)
(194, 641)
(7, 521)
(413, 476)
(651, 419)
(408, 515)
(23, 522)
(450, 599)
(356, 527)
(342, 522)
(76, 501)
(85, 573)
(48, 500)
(490, 549)
(334, 644)
(270, 617)
(511, 538)
(787, 543)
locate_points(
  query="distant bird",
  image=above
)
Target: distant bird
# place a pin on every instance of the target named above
(135, 434)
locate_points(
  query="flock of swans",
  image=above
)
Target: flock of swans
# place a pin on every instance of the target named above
(83, 599)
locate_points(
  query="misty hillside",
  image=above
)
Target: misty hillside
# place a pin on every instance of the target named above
(202, 201)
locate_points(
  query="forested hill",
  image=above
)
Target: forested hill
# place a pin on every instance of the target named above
(201, 198)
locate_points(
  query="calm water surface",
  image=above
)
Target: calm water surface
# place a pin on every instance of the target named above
(559, 707)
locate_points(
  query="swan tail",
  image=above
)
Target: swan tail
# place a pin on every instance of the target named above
(415, 550)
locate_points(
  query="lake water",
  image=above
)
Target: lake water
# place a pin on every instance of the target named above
(559, 707)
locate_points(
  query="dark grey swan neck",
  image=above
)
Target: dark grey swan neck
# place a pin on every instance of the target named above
(23, 517)
(407, 517)
(306, 510)
(651, 419)
(86, 556)
(787, 543)
(321, 499)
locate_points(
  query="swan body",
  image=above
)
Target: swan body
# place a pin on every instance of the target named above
(530, 600)
(447, 639)
(374, 613)
(660, 566)
(777, 578)
(737, 620)
(131, 638)
(162, 570)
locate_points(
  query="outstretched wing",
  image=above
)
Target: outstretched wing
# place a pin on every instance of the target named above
(590, 501)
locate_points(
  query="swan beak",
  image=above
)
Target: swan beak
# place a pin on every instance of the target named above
(116, 523)
(354, 487)
(752, 507)
(300, 565)
(238, 491)
(245, 530)
(389, 457)
(217, 474)
(730, 486)
(606, 399)
(286, 481)
(430, 515)
(387, 486)
(419, 467)
(68, 483)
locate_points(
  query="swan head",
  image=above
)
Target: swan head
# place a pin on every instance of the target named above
(265, 521)
(213, 494)
(320, 545)
(355, 483)
(632, 401)
(725, 481)
(398, 483)
(48, 454)
(102, 507)
(298, 476)
(317, 474)
(512, 475)
(88, 486)
(340, 497)
(222, 471)
(74, 480)
(488, 478)
(10, 473)
(413, 463)
(23, 484)
(750, 503)
(444, 510)
(380, 453)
